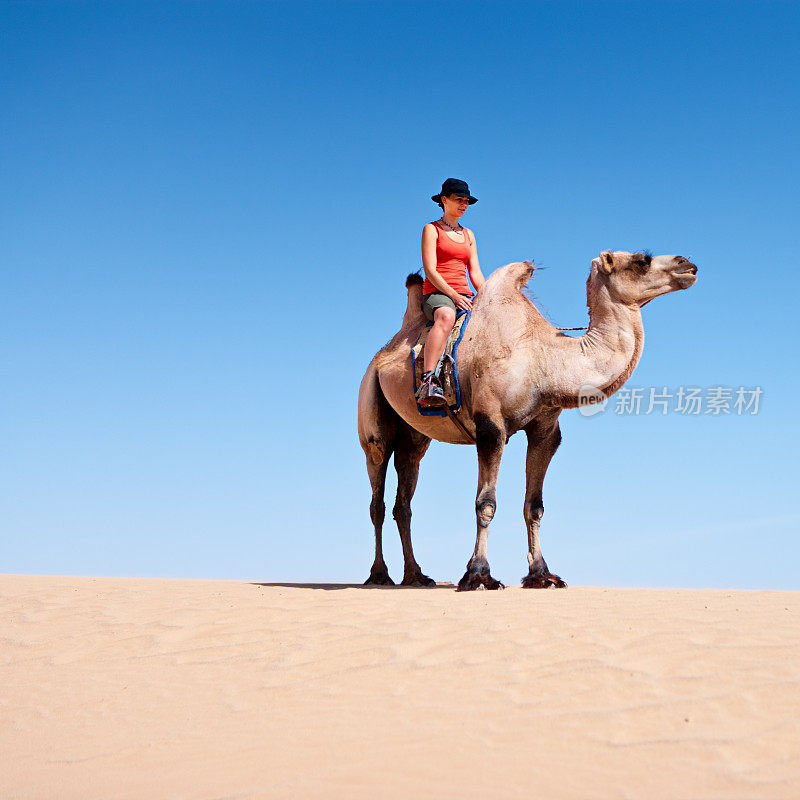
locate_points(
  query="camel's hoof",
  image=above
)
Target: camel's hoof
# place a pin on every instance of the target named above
(417, 579)
(542, 580)
(475, 578)
(379, 578)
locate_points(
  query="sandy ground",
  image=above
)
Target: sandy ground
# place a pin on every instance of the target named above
(120, 688)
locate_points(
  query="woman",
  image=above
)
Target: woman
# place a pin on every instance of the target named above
(448, 253)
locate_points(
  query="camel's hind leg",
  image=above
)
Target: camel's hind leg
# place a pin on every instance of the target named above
(379, 574)
(544, 437)
(410, 447)
(377, 431)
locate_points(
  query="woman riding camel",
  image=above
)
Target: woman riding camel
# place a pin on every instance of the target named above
(448, 253)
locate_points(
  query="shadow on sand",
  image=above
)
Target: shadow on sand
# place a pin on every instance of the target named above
(328, 587)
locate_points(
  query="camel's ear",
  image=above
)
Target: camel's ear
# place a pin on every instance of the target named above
(607, 261)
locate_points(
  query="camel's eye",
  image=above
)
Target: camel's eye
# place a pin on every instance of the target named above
(641, 262)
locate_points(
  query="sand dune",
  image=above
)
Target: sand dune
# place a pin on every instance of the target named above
(119, 688)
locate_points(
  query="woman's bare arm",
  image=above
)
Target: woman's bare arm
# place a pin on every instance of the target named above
(474, 268)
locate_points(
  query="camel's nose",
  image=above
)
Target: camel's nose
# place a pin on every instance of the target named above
(685, 273)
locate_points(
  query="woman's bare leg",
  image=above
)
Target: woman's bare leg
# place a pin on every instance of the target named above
(443, 320)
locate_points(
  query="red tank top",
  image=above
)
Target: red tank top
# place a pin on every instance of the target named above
(452, 260)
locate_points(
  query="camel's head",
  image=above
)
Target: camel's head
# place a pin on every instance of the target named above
(639, 277)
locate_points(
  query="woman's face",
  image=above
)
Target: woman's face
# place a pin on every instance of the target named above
(454, 205)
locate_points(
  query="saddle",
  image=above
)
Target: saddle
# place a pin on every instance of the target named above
(445, 369)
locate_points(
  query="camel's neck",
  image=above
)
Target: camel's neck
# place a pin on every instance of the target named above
(609, 351)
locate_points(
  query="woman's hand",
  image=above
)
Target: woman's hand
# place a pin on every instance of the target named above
(464, 303)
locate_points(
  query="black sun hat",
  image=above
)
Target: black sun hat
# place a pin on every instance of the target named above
(454, 186)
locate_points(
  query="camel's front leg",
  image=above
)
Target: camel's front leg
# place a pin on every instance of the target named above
(543, 441)
(490, 439)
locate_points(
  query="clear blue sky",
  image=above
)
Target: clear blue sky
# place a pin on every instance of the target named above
(208, 210)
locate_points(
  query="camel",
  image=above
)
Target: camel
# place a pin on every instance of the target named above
(517, 372)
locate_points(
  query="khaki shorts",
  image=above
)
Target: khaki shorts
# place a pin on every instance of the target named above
(434, 300)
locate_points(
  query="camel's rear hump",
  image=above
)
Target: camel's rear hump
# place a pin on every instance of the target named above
(414, 307)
